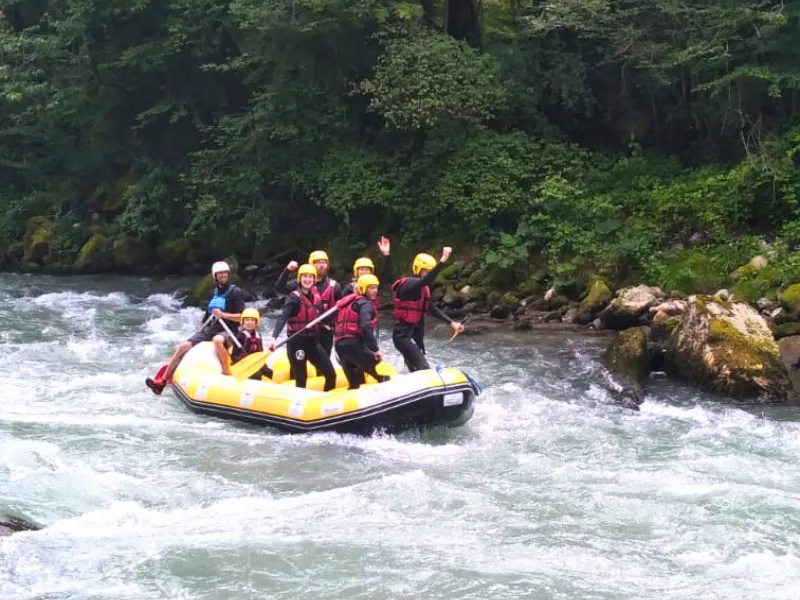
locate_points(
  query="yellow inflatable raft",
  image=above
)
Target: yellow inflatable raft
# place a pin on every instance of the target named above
(439, 396)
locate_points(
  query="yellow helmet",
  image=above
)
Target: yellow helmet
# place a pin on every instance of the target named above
(307, 270)
(250, 313)
(362, 262)
(365, 281)
(317, 255)
(422, 261)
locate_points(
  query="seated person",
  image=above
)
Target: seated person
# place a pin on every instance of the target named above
(251, 341)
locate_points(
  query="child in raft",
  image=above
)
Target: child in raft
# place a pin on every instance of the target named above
(251, 341)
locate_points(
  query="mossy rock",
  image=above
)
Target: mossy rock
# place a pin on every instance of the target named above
(508, 300)
(453, 297)
(631, 303)
(598, 295)
(477, 293)
(757, 283)
(470, 307)
(558, 301)
(663, 326)
(790, 299)
(478, 277)
(438, 293)
(529, 288)
(173, 255)
(451, 272)
(130, 254)
(743, 271)
(786, 330)
(501, 279)
(95, 255)
(727, 348)
(37, 239)
(627, 358)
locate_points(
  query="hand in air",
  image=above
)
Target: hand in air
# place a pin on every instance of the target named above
(446, 252)
(456, 326)
(271, 344)
(292, 266)
(384, 245)
(216, 312)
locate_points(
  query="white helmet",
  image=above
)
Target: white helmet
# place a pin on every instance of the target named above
(219, 267)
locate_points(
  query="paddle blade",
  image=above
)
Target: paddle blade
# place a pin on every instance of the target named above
(249, 365)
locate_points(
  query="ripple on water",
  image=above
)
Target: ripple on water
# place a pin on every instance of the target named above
(547, 493)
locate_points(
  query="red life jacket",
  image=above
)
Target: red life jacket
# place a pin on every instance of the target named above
(326, 297)
(347, 321)
(252, 342)
(410, 312)
(309, 310)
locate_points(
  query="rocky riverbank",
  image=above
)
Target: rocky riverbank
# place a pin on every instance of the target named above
(719, 342)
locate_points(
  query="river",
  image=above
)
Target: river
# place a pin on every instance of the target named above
(549, 492)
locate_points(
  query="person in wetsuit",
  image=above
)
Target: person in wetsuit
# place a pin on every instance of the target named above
(365, 266)
(412, 300)
(303, 306)
(356, 322)
(226, 303)
(329, 291)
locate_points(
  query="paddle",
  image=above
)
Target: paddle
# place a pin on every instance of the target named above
(247, 367)
(230, 333)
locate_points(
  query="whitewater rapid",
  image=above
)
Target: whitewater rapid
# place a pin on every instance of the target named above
(549, 492)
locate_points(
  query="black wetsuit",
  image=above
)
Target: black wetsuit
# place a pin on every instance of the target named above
(410, 339)
(305, 346)
(357, 354)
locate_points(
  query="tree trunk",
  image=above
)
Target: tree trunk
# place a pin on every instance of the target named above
(461, 20)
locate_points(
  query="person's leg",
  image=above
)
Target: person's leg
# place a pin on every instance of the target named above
(367, 363)
(158, 384)
(412, 355)
(354, 375)
(296, 351)
(222, 353)
(325, 338)
(322, 361)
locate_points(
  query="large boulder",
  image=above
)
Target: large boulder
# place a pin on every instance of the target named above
(728, 348)
(131, 254)
(173, 255)
(670, 308)
(790, 299)
(628, 360)
(37, 239)
(596, 298)
(756, 264)
(11, 524)
(95, 255)
(630, 304)
(786, 330)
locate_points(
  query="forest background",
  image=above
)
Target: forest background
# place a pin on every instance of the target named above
(646, 141)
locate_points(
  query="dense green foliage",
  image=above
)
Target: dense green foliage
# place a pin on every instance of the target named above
(636, 139)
